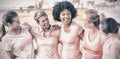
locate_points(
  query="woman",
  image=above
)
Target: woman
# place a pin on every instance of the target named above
(92, 43)
(17, 42)
(46, 37)
(111, 48)
(70, 31)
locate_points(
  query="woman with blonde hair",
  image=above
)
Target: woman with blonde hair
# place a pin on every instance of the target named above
(92, 42)
(46, 37)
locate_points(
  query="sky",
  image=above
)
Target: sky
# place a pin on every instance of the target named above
(25, 3)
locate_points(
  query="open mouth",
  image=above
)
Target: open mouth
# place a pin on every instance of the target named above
(66, 20)
(46, 25)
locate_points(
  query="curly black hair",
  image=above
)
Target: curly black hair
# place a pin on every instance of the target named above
(60, 6)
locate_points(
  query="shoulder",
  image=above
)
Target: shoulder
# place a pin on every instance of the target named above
(24, 27)
(55, 27)
(115, 46)
(75, 25)
(34, 28)
(79, 28)
(116, 42)
(5, 38)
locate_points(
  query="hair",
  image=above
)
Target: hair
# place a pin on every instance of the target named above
(8, 17)
(60, 6)
(93, 17)
(119, 24)
(111, 25)
(3, 31)
(38, 14)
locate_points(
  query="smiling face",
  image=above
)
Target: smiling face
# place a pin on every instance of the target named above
(44, 22)
(65, 17)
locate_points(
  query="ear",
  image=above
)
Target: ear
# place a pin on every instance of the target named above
(91, 24)
(109, 35)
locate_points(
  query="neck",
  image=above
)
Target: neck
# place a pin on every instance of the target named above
(15, 30)
(45, 30)
(67, 28)
(114, 35)
(94, 30)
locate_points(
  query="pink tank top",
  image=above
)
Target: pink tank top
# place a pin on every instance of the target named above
(92, 49)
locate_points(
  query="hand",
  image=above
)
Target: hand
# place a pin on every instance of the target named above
(28, 25)
(55, 27)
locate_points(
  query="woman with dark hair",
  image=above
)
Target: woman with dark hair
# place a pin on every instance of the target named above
(17, 42)
(111, 48)
(46, 37)
(70, 35)
(92, 43)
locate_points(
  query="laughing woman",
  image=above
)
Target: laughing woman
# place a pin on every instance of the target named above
(17, 42)
(92, 42)
(45, 37)
(70, 31)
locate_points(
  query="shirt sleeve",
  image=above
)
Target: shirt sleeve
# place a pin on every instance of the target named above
(6, 44)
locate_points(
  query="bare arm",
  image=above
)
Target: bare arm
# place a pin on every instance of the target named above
(81, 33)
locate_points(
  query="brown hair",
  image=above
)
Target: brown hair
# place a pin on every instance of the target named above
(38, 14)
(93, 17)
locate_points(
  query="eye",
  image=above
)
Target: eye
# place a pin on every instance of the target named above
(63, 14)
(43, 21)
(69, 13)
(46, 19)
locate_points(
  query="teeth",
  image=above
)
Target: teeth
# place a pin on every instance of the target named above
(66, 19)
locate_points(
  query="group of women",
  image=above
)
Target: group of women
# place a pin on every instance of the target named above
(100, 39)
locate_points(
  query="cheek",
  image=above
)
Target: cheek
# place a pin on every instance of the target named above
(85, 22)
(40, 23)
(61, 18)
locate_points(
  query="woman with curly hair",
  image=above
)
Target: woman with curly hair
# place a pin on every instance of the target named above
(71, 32)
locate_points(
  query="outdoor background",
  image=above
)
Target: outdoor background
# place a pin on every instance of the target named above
(27, 8)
